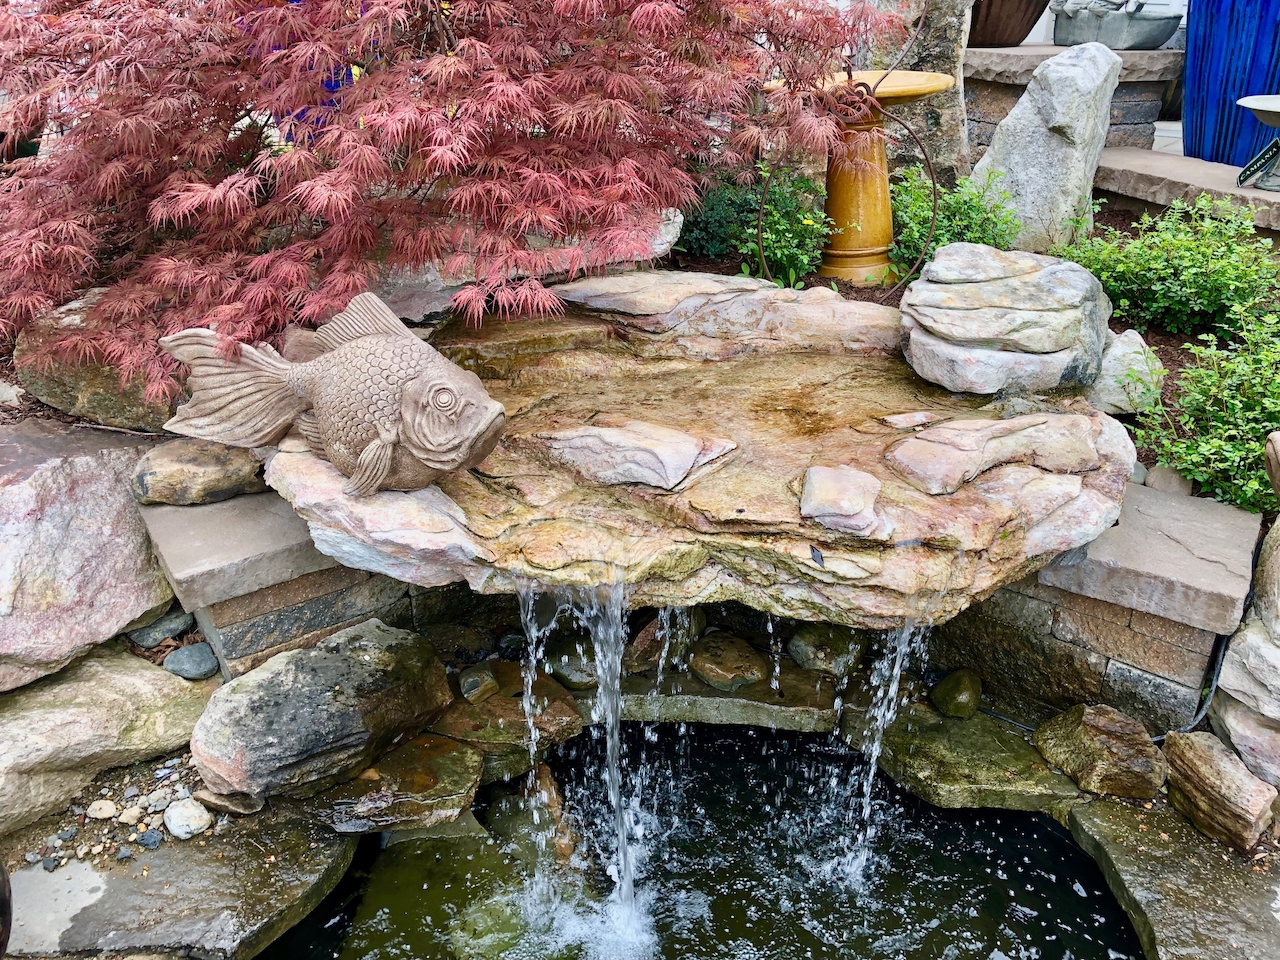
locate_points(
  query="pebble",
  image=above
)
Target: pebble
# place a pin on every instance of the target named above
(131, 815)
(162, 773)
(130, 793)
(82, 851)
(77, 811)
(150, 840)
(195, 662)
(181, 793)
(124, 854)
(102, 810)
(50, 864)
(69, 833)
(96, 849)
(170, 625)
(104, 792)
(186, 818)
(32, 857)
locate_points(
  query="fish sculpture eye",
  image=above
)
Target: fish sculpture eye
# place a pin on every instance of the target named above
(444, 399)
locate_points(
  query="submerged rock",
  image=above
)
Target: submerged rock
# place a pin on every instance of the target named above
(828, 648)
(1210, 786)
(477, 684)
(307, 719)
(1104, 751)
(189, 471)
(958, 695)
(726, 662)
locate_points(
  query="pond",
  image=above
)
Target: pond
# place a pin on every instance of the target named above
(744, 844)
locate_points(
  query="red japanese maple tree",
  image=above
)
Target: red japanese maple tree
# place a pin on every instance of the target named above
(252, 163)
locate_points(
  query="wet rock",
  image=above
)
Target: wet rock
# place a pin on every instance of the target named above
(427, 781)
(150, 839)
(1130, 378)
(109, 709)
(1104, 751)
(195, 661)
(676, 633)
(78, 563)
(571, 658)
(726, 662)
(1186, 898)
(478, 683)
(1213, 788)
(186, 818)
(225, 899)
(190, 471)
(1046, 151)
(307, 719)
(982, 321)
(1254, 736)
(828, 648)
(457, 643)
(237, 803)
(635, 452)
(172, 624)
(958, 695)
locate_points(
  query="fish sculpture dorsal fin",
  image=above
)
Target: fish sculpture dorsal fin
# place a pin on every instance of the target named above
(366, 316)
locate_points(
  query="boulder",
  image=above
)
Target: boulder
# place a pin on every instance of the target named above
(91, 390)
(1266, 583)
(1046, 151)
(77, 566)
(958, 695)
(1213, 788)
(307, 719)
(982, 321)
(1251, 669)
(726, 662)
(106, 710)
(224, 897)
(1254, 736)
(190, 471)
(828, 648)
(1103, 751)
(1168, 480)
(1131, 375)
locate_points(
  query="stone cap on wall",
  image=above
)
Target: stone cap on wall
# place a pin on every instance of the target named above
(1014, 65)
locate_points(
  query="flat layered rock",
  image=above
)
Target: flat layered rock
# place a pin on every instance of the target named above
(704, 502)
(1213, 788)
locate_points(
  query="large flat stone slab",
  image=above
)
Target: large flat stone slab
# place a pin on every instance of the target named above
(1186, 559)
(1015, 65)
(1186, 895)
(218, 551)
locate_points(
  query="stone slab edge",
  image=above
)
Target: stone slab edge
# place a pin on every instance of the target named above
(1014, 65)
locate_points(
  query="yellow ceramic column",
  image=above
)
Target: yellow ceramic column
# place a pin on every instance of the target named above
(858, 203)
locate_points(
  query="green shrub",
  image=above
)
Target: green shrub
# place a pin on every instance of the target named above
(971, 213)
(794, 227)
(1215, 430)
(1197, 266)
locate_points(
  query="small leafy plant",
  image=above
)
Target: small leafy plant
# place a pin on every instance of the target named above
(1197, 266)
(973, 212)
(712, 228)
(1215, 430)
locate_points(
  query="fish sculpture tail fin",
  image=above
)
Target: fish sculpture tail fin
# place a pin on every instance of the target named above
(245, 402)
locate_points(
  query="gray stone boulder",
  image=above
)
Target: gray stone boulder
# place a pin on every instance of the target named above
(1266, 583)
(308, 719)
(1103, 751)
(1211, 786)
(1131, 376)
(76, 567)
(190, 471)
(1046, 151)
(107, 710)
(982, 321)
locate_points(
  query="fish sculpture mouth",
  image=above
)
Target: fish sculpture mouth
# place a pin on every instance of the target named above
(474, 446)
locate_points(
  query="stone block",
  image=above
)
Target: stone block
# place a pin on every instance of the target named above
(1162, 705)
(218, 551)
(1187, 559)
(1134, 112)
(1122, 643)
(1139, 135)
(1015, 65)
(1170, 631)
(1019, 610)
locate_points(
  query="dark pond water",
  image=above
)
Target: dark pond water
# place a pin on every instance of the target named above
(742, 850)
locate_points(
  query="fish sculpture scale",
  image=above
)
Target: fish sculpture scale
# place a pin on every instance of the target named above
(385, 408)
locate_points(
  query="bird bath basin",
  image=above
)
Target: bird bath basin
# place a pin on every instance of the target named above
(1265, 167)
(1265, 108)
(858, 192)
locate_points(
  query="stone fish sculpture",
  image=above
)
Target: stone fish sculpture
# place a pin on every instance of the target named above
(383, 407)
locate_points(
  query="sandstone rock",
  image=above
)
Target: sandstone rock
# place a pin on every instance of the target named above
(1103, 751)
(77, 566)
(307, 719)
(185, 818)
(958, 695)
(636, 452)
(1211, 786)
(1130, 377)
(427, 781)
(1254, 736)
(643, 293)
(90, 390)
(109, 709)
(673, 631)
(726, 662)
(828, 648)
(189, 471)
(478, 683)
(1047, 149)
(1251, 669)
(840, 498)
(1168, 480)
(982, 321)
(225, 899)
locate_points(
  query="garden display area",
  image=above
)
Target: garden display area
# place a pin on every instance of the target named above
(608, 480)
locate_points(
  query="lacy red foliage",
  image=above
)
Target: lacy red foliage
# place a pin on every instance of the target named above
(250, 163)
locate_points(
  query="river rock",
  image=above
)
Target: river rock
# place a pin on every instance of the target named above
(102, 810)
(186, 817)
(1252, 735)
(224, 897)
(91, 390)
(108, 709)
(1103, 751)
(958, 695)
(1046, 151)
(982, 321)
(1213, 788)
(170, 625)
(828, 648)
(196, 661)
(77, 566)
(478, 683)
(726, 662)
(1131, 375)
(307, 719)
(190, 471)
